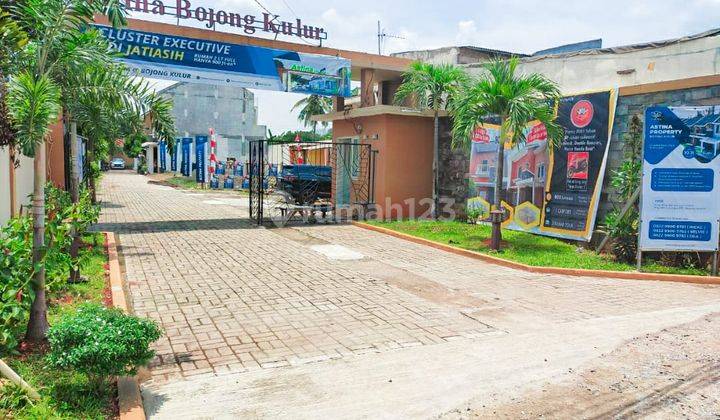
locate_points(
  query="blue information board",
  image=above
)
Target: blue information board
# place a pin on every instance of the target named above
(200, 158)
(174, 154)
(186, 162)
(681, 168)
(162, 153)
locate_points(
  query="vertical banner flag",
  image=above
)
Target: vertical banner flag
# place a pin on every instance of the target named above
(162, 151)
(548, 191)
(186, 159)
(680, 208)
(200, 164)
(174, 154)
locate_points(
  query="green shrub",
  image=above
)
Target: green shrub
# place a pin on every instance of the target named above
(626, 180)
(16, 270)
(624, 232)
(101, 342)
(473, 214)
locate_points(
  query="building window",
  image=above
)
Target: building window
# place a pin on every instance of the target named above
(541, 171)
(484, 166)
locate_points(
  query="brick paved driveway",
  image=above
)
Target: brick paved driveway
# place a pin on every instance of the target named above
(233, 298)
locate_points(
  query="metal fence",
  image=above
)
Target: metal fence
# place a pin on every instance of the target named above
(310, 181)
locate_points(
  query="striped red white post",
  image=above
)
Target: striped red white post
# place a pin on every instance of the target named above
(213, 158)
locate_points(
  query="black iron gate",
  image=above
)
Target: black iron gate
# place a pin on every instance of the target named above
(310, 181)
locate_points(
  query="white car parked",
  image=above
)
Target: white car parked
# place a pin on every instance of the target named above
(117, 163)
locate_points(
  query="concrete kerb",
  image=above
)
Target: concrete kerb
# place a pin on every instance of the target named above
(623, 275)
(129, 397)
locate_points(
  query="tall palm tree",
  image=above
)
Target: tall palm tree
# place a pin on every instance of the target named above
(58, 43)
(432, 87)
(312, 105)
(516, 100)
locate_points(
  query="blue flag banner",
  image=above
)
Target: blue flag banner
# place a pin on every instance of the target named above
(200, 157)
(174, 154)
(162, 153)
(680, 210)
(186, 162)
(169, 57)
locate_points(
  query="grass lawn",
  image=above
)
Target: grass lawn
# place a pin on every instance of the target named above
(184, 183)
(64, 394)
(522, 247)
(187, 183)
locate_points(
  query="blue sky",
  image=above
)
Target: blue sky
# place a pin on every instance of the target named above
(515, 25)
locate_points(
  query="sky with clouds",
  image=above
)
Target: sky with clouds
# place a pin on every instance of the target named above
(522, 26)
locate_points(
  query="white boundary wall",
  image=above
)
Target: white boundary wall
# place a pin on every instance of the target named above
(23, 183)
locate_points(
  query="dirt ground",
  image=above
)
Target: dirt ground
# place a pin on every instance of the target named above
(672, 374)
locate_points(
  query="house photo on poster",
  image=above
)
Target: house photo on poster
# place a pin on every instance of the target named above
(681, 179)
(548, 191)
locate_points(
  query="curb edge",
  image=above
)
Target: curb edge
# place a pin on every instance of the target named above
(129, 397)
(576, 272)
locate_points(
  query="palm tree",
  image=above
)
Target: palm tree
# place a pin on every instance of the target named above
(59, 43)
(516, 100)
(312, 105)
(432, 87)
(105, 103)
(108, 104)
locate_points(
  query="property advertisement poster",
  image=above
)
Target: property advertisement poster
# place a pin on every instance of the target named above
(186, 163)
(162, 152)
(681, 179)
(174, 155)
(181, 59)
(549, 191)
(200, 159)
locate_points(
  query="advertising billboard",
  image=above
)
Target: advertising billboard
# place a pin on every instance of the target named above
(201, 143)
(174, 154)
(186, 162)
(551, 191)
(190, 60)
(162, 152)
(680, 185)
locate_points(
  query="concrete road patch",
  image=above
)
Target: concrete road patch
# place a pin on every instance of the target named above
(337, 252)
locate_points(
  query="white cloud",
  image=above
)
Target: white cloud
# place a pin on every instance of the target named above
(467, 33)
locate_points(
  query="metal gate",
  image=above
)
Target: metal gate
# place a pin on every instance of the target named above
(310, 181)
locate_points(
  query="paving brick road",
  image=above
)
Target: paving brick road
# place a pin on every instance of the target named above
(236, 299)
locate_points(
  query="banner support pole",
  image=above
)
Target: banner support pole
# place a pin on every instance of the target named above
(715, 263)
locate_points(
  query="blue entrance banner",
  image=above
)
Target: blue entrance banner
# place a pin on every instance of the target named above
(200, 157)
(186, 162)
(162, 152)
(177, 58)
(174, 154)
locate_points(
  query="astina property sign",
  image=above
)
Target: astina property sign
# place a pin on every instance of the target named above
(681, 179)
(551, 191)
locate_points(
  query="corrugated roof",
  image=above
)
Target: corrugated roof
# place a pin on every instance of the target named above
(630, 48)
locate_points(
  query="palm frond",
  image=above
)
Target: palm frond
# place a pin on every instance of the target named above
(499, 91)
(430, 86)
(33, 104)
